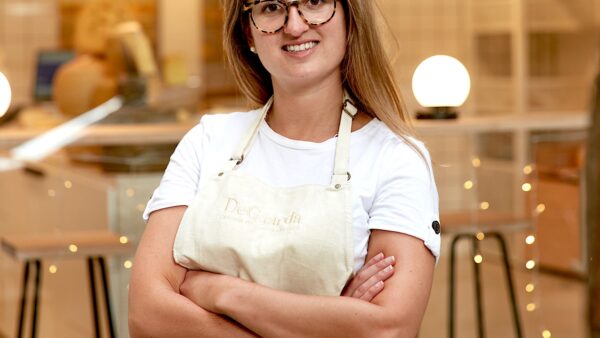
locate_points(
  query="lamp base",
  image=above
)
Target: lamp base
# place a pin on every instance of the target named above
(437, 113)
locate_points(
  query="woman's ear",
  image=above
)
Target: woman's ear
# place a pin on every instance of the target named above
(249, 39)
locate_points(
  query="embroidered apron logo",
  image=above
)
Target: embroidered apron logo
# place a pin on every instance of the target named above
(255, 215)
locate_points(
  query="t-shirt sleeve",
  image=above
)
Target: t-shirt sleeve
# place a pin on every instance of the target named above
(406, 199)
(179, 183)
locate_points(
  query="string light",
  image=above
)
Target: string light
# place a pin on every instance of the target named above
(127, 264)
(123, 239)
(528, 169)
(52, 269)
(73, 248)
(530, 264)
(530, 288)
(526, 187)
(540, 208)
(480, 236)
(484, 205)
(68, 184)
(476, 162)
(130, 192)
(51, 192)
(530, 239)
(546, 334)
(468, 185)
(478, 259)
(531, 307)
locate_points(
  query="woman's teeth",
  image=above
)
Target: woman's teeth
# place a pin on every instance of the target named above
(300, 48)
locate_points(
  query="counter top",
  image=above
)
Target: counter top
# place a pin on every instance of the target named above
(159, 133)
(155, 133)
(575, 120)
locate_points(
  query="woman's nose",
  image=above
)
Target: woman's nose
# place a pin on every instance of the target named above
(295, 25)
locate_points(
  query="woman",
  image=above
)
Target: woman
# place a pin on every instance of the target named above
(286, 202)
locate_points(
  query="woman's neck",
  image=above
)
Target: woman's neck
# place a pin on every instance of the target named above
(307, 113)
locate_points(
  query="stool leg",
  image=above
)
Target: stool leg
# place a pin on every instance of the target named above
(478, 289)
(90, 261)
(106, 296)
(509, 282)
(451, 282)
(23, 299)
(36, 296)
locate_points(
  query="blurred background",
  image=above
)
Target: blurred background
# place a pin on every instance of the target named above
(510, 169)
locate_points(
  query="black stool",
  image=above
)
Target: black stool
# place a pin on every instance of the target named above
(31, 249)
(466, 226)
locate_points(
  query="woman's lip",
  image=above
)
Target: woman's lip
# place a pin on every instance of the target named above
(298, 43)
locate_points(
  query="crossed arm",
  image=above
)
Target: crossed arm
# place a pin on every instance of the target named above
(184, 305)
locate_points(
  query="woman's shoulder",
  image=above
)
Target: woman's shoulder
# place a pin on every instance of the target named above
(389, 142)
(228, 119)
(221, 124)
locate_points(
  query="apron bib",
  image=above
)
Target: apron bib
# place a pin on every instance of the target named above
(295, 239)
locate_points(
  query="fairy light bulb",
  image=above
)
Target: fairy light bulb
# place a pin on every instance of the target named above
(478, 259)
(468, 185)
(547, 334)
(526, 187)
(530, 239)
(528, 169)
(531, 307)
(530, 288)
(540, 208)
(476, 162)
(480, 236)
(530, 264)
(484, 205)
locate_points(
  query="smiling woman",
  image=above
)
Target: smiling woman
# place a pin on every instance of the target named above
(315, 208)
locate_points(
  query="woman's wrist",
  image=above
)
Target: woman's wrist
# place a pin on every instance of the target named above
(231, 295)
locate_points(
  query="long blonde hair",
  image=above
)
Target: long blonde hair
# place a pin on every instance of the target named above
(366, 71)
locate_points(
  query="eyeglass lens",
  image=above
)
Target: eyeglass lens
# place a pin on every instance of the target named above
(271, 15)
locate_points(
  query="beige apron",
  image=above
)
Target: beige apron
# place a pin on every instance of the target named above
(296, 239)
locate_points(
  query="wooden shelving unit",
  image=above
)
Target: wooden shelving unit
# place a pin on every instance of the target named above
(527, 57)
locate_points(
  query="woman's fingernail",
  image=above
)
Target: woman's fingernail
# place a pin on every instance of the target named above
(379, 256)
(388, 268)
(379, 284)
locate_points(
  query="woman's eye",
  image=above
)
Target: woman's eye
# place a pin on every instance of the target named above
(270, 8)
(314, 3)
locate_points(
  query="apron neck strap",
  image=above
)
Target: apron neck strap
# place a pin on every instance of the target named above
(341, 175)
(242, 149)
(340, 172)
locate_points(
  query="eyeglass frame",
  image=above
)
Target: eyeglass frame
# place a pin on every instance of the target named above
(249, 5)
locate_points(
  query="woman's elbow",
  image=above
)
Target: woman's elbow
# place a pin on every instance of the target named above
(396, 326)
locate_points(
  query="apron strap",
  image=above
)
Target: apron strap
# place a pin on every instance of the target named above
(340, 171)
(341, 175)
(244, 145)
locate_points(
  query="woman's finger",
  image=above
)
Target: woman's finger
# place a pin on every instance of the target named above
(366, 274)
(360, 275)
(373, 291)
(367, 289)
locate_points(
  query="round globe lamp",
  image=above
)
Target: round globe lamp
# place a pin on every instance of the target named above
(5, 95)
(441, 83)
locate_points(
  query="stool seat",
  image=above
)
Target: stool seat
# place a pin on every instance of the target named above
(467, 222)
(89, 243)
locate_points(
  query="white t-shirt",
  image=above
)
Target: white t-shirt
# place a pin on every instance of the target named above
(392, 186)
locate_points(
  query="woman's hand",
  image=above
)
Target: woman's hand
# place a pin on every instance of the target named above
(369, 281)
